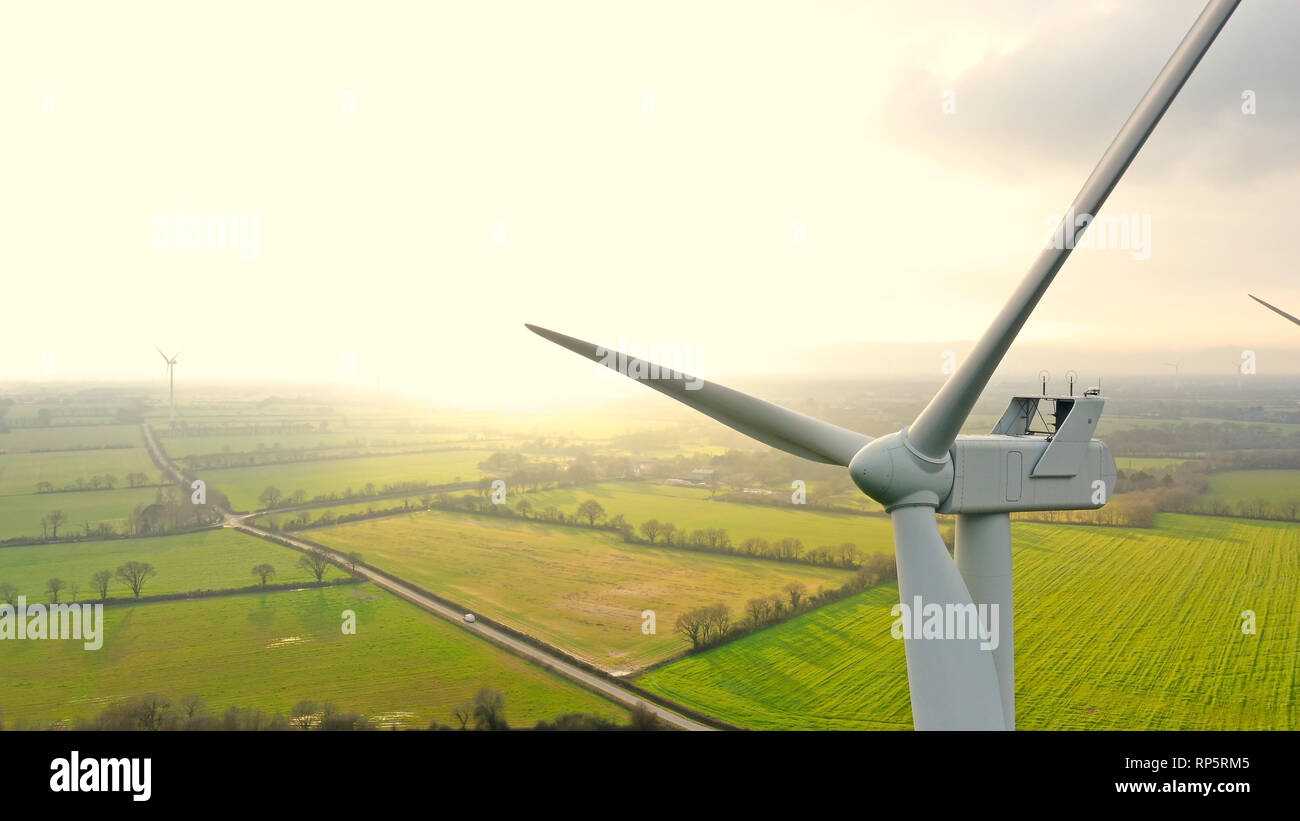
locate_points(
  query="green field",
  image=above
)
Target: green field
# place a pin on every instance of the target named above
(691, 508)
(180, 446)
(1115, 629)
(313, 514)
(21, 515)
(1277, 487)
(243, 485)
(581, 590)
(19, 472)
(206, 560)
(1151, 464)
(271, 650)
(70, 438)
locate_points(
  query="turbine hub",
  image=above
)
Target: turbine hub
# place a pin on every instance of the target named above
(893, 473)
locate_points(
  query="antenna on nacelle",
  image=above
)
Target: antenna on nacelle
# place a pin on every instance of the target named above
(1071, 375)
(1043, 377)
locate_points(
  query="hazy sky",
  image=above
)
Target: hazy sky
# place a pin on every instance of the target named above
(746, 180)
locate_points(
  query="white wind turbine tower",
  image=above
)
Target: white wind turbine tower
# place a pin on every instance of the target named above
(171, 379)
(927, 468)
(1178, 383)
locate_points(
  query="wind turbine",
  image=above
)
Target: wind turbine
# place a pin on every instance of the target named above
(927, 468)
(1274, 309)
(171, 379)
(1178, 383)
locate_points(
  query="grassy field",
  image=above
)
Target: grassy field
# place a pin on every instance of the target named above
(581, 590)
(1116, 629)
(1151, 464)
(206, 560)
(315, 513)
(244, 485)
(21, 515)
(179, 447)
(70, 438)
(269, 651)
(691, 508)
(1275, 486)
(19, 472)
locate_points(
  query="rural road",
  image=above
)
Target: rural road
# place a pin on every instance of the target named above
(538, 656)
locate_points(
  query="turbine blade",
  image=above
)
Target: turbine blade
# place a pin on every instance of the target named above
(936, 427)
(160, 353)
(953, 682)
(770, 424)
(1274, 309)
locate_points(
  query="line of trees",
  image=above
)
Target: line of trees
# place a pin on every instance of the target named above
(279, 456)
(107, 481)
(1191, 439)
(132, 574)
(156, 712)
(1287, 510)
(714, 624)
(273, 497)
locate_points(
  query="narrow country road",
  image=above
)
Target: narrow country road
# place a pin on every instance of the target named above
(538, 656)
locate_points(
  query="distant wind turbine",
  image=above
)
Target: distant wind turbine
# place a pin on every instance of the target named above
(171, 379)
(1274, 309)
(1178, 383)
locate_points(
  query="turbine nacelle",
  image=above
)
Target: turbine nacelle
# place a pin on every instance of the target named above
(1032, 461)
(1039, 456)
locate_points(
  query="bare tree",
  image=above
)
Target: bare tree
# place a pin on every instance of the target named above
(718, 622)
(135, 574)
(55, 518)
(53, 586)
(795, 591)
(9, 593)
(263, 571)
(691, 625)
(591, 510)
(192, 706)
(270, 496)
(650, 529)
(463, 713)
(490, 710)
(100, 581)
(151, 711)
(315, 562)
